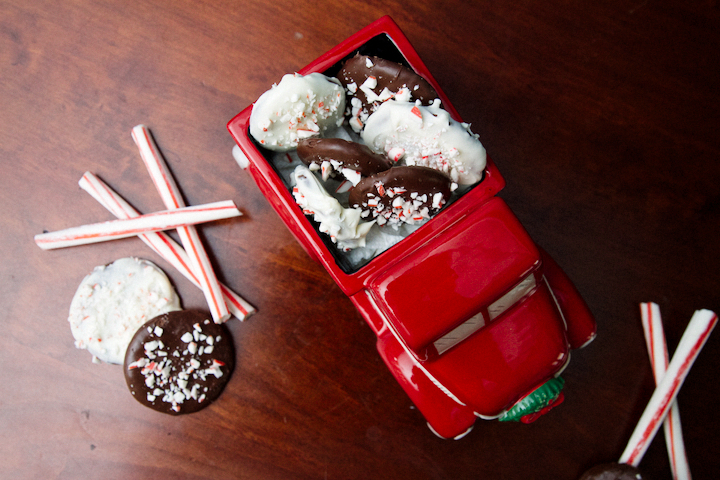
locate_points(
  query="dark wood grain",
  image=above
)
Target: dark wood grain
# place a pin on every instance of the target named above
(602, 116)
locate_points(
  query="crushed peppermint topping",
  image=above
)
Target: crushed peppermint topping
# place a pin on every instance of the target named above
(396, 206)
(174, 377)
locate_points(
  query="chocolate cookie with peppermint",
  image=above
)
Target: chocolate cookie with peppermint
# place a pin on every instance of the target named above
(402, 194)
(613, 471)
(333, 156)
(369, 81)
(179, 362)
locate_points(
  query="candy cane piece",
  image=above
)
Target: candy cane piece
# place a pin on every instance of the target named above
(692, 341)
(171, 197)
(123, 228)
(657, 350)
(160, 242)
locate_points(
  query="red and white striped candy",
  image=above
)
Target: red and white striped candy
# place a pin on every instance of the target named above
(659, 359)
(380, 188)
(160, 242)
(396, 153)
(692, 341)
(171, 197)
(123, 228)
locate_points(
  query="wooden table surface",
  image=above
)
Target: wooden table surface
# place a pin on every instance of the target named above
(604, 118)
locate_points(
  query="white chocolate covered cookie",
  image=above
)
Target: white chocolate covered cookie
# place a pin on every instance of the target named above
(426, 136)
(343, 225)
(298, 107)
(114, 301)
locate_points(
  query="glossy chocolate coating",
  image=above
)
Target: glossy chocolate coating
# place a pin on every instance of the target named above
(206, 373)
(417, 185)
(390, 75)
(352, 155)
(613, 471)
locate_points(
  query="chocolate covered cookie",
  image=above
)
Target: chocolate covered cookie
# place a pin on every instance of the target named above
(342, 225)
(337, 156)
(370, 81)
(401, 195)
(297, 107)
(426, 136)
(612, 471)
(179, 362)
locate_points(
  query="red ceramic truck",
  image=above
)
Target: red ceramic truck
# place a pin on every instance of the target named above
(471, 317)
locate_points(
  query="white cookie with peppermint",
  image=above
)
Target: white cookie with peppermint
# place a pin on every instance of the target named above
(115, 300)
(417, 135)
(342, 225)
(298, 107)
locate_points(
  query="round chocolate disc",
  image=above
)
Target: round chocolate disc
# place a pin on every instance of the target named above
(179, 362)
(612, 471)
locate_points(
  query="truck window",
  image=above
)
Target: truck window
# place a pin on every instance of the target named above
(477, 321)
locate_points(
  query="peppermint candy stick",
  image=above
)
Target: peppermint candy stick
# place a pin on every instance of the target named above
(189, 237)
(692, 341)
(657, 349)
(123, 228)
(160, 242)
